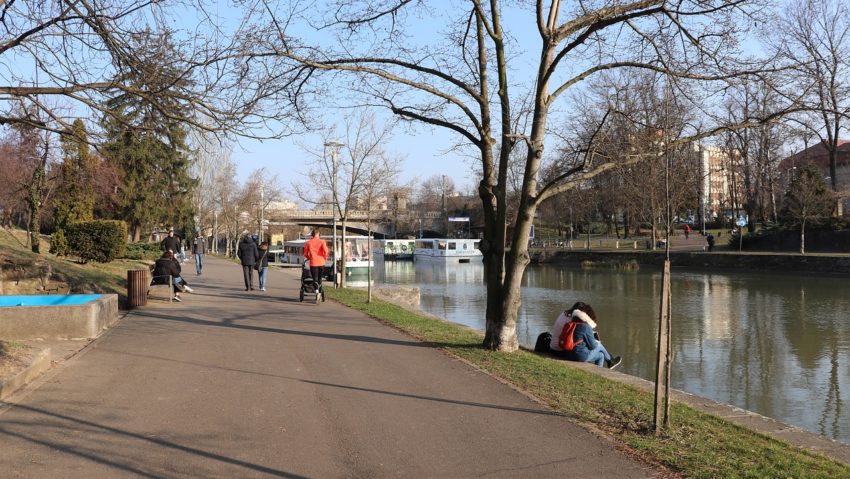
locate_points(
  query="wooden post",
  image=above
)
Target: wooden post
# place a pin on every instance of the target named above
(662, 363)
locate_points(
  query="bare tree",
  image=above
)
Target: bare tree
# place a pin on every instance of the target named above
(342, 181)
(815, 38)
(807, 201)
(463, 82)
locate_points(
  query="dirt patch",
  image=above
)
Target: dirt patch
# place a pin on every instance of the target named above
(14, 357)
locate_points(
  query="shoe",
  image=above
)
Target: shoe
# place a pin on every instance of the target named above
(262, 289)
(614, 362)
(246, 289)
(177, 298)
(188, 289)
(252, 289)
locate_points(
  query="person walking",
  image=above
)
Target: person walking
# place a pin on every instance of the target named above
(710, 240)
(316, 252)
(248, 255)
(199, 248)
(170, 243)
(262, 265)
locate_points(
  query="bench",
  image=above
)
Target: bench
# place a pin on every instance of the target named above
(169, 285)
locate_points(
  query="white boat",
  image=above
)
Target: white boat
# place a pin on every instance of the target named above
(393, 249)
(357, 258)
(451, 250)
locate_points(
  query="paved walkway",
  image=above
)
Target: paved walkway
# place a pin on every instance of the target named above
(238, 384)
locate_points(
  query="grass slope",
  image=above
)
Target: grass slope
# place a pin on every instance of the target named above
(697, 445)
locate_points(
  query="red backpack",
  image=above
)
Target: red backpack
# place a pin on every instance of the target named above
(565, 340)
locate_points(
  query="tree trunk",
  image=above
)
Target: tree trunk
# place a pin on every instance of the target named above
(34, 202)
(803, 237)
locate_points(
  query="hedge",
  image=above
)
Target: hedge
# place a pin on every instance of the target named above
(98, 240)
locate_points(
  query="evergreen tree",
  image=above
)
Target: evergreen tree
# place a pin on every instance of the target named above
(75, 197)
(146, 141)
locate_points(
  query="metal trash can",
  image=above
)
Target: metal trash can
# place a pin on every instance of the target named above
(137, 288)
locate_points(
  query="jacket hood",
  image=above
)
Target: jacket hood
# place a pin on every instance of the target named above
(582, 316)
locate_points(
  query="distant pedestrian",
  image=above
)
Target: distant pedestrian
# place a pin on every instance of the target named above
(687, 230)
(262, 265)
(199, 248)
(170, 243)
(248, 255)
(710, 240)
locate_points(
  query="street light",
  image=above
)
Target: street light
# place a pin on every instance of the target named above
(262, 209)
(334, 146)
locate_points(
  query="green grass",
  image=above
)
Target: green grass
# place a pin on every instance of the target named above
(697, 445)
(104, 278)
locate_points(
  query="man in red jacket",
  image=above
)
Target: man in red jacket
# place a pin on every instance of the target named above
(316, 252)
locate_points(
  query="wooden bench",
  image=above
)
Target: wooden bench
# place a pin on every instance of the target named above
(168, 286)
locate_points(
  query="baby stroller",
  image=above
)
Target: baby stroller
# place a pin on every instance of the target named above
(309, 288)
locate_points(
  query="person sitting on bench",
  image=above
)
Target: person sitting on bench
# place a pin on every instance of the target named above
(167, 266)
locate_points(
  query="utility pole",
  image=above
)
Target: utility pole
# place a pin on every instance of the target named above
(334, 146)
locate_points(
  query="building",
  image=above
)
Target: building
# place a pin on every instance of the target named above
(721, 182)
(819, 155)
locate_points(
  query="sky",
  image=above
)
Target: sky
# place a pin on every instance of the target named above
(425, 152)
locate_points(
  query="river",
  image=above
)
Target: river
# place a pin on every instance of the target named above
(776, 344)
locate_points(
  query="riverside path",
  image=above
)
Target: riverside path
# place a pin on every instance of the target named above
(241, 384)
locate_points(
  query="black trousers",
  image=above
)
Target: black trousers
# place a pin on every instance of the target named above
(248, 273)
(316, 273)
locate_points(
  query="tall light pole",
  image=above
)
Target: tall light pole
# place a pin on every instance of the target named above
(262, 208)
(334, 146)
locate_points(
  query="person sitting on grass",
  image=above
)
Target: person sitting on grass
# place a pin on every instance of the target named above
(574, 338)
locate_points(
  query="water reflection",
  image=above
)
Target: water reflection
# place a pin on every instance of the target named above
(777, 345)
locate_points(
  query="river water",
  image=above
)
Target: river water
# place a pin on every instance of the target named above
(774, 343)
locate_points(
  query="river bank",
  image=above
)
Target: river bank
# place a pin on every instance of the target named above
(723, 260)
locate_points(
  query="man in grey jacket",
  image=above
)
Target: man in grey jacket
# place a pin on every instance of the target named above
(248, 255)
(199, 248)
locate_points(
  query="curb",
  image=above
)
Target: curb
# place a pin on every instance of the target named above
(38, 364)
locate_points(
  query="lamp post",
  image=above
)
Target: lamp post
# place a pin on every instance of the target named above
(262, 209)
(334, 146)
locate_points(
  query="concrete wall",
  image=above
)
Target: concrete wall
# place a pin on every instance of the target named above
(59, 322)
(701, 260)
(407, 297)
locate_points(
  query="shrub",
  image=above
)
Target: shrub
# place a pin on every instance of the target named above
(142, 250)
(58, 243)
(98, 240)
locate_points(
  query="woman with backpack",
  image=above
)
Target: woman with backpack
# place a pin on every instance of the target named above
(573, 337)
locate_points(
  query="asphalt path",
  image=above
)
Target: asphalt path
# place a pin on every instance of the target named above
(237, 384)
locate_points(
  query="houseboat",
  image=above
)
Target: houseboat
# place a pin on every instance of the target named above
(357, 258)
(393, 249)
(451, 250)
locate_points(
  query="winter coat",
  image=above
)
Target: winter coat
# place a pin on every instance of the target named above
(264, 256)
(583, 333)
(316, 251)
(163, 268)
(199, 246)
(170, 243)
(247, 252)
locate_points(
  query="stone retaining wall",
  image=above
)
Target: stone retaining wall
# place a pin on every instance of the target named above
(59, 322)
(717, 260)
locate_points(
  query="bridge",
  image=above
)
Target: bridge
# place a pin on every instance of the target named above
(384, 222)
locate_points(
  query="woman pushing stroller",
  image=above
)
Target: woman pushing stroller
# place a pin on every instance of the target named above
(316, 252)
(573, 337)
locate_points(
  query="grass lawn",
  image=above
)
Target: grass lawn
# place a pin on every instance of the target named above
(104, 278)
(696, 445)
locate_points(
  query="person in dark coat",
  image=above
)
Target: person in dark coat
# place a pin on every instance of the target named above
(248, 256)
(167, 266)
(263, 264)
(171, 242)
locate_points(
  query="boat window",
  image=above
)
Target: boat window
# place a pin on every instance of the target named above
(476, 245)
(441, 245)
(452, 245)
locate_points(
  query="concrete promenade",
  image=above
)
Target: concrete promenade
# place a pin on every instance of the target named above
(237, 384)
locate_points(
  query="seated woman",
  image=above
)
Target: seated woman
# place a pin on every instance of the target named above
(166, 266)
(573, 337)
